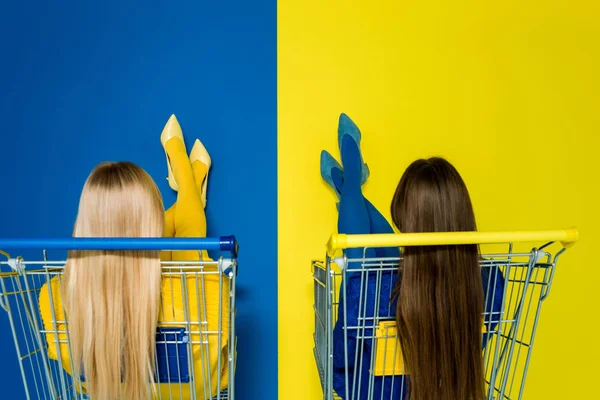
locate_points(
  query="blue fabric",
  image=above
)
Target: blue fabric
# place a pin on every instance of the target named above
(358, 216)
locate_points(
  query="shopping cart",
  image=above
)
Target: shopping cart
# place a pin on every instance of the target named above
(182, 339)
(516, 278)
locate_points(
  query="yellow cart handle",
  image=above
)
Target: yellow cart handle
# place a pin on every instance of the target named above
(566, 237)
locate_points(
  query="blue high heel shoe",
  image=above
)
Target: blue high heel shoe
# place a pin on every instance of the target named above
(328, 163)
(347, 127)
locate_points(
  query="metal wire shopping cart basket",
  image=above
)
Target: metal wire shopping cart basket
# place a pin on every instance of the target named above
(516, 278)
(185, 331)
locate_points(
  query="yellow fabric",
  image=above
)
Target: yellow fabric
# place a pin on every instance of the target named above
(169, 229)
(46, 299)
(172, 311)
(204, 355)
(388, 354)
(190, 221)
(186, 218)
(189, 217)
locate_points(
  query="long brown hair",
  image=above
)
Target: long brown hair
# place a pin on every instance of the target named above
(439, 291)
(112, 298)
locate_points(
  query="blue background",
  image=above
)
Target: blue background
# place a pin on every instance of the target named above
(81, 84)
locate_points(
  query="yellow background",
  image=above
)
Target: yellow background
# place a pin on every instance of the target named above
(506, 90)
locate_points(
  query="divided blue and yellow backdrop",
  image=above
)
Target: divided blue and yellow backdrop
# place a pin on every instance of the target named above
(506, 90)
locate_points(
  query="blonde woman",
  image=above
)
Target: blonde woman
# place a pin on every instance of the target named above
(115, 300)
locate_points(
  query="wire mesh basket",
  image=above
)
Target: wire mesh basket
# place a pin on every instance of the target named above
(357, 351)
(195, 336)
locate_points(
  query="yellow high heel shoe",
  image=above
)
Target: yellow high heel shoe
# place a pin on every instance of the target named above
(171, 130)
(199, 153)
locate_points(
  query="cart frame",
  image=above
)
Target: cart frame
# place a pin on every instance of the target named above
(45, 378)
(510, 338)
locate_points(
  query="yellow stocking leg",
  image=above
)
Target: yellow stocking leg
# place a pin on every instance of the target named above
(189, 217)
(190, 221)
(199, 170)
(169, 231)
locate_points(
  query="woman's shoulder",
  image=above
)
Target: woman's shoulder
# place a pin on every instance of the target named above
(50, 295)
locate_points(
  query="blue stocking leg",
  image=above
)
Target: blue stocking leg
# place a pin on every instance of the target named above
(353, 215)
(380, 225)
(377, 222)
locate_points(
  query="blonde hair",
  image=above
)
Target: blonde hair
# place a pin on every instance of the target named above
(112, 298)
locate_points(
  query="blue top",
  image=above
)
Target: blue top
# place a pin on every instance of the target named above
(392, 388)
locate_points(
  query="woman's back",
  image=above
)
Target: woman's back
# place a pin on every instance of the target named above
(370, 301)
(193, 305)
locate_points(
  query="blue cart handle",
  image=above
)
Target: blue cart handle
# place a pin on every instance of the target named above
(223, 243)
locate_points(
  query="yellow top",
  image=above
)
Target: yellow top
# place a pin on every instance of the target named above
(566, 237)
(172, 313)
